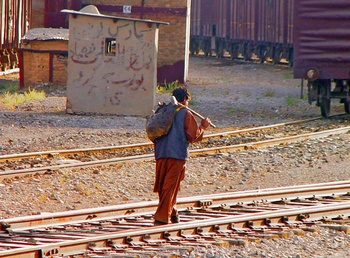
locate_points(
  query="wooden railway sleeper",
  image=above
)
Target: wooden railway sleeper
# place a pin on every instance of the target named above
(257, 228)
(250, 225)
(131, 242)
(101, 224)
(230, 230)
(241, 231)
(189, 236)
(221, 207)
(291, 224)
(175, 240)
(213, 236)
(92, 246)
(137, 224)
(294, 224)
(219, 213)
(154, 242)
(225, 233)
(343, 228)
(275, 226)
(116, 246)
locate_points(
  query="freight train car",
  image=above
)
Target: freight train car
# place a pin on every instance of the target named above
(202, 28)
(322, 50)
(248, 29)
(15, 19)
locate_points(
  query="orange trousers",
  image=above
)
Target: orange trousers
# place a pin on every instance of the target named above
(169, 174)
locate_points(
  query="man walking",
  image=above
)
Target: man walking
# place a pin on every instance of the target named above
(171, 153)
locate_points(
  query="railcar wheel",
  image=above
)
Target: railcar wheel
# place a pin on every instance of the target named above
(276, 56)
(261, 55)
(247, 54)
(234, 54)
(206, 47)
(347, 107)
(324, 99)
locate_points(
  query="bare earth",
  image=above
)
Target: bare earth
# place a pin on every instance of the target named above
(234, 95)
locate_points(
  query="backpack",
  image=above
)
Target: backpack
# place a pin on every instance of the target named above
(159, 123)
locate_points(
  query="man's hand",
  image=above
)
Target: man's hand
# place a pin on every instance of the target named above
(205, 123)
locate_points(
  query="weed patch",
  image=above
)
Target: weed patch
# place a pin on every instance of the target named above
(168, 87)
(13, 99)
(269, 93)
(291, 101)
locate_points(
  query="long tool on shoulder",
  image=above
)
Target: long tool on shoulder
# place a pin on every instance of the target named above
(176, 103)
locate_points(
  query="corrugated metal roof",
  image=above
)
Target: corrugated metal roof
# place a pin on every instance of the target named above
(46, 34)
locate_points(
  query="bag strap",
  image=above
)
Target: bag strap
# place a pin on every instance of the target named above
(177, 109)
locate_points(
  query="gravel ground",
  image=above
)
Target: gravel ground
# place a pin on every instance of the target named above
(234, 95)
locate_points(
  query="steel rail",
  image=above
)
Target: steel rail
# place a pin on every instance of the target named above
(141, 146)
(193, 153)
(196, 229)
(186, 203)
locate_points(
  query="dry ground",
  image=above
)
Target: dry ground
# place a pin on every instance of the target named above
(234, 95)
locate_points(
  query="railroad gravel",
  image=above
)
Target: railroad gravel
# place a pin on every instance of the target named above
(234, 95)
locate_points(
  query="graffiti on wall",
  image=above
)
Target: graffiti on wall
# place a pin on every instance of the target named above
(112, 59)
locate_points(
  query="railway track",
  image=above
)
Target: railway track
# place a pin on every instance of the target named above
(194, 152)
(209, 220)
(142, 147)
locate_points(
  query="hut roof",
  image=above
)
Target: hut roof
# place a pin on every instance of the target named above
(91, 10)
(46, 34)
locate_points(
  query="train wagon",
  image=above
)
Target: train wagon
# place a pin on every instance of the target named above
(322, 50)
(242, 35)
(246, 29)
(202, 26)
(15, 22)
(275, 30)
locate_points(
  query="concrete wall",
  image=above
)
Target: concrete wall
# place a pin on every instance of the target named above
(44, 61)
(118, 81)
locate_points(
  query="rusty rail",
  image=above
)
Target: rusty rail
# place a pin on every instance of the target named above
(141, 146)
(197, 152)
(208, 224)
(187, 203)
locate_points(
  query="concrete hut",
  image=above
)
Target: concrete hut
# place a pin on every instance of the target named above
(112, 64)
